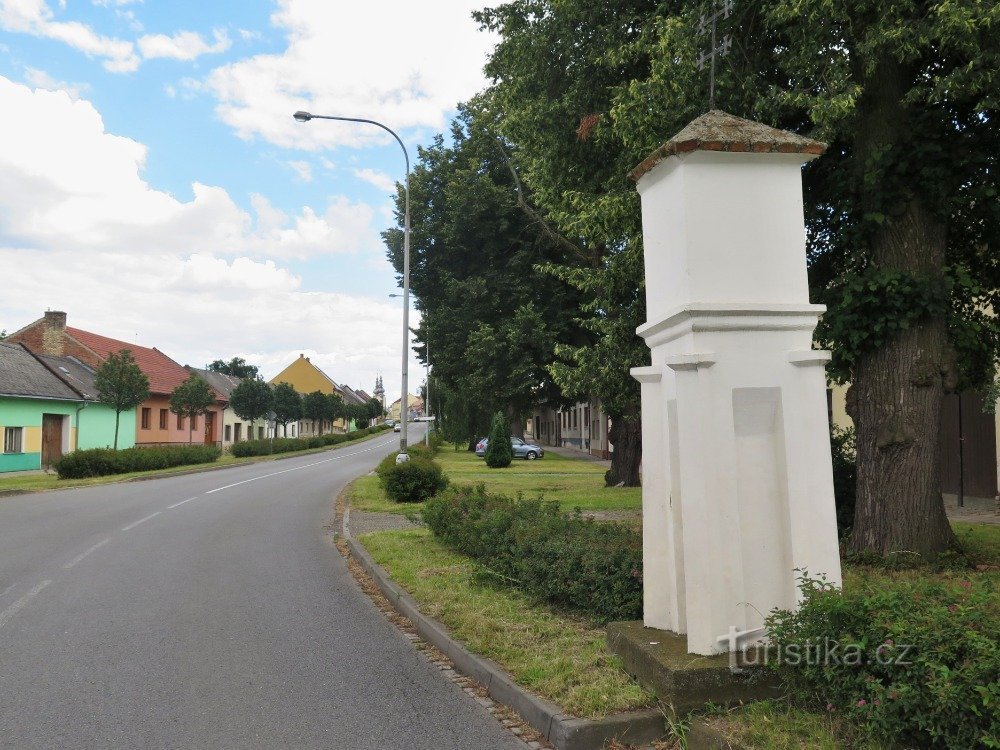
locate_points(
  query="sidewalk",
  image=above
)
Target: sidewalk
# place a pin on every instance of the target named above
(574, 453)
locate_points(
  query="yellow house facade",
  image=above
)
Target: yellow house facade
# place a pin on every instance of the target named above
(305, 377)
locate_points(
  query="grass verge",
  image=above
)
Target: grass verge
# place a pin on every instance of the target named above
(555, 655)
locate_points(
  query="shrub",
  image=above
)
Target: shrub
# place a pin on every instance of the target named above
(499, 453)
(437, 441)
(412, 481)
(267, 446)
(929, 657)
(97, 462)
(562, 558)
(843, 446)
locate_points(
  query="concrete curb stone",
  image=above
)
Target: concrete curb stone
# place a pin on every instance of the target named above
(564, 732)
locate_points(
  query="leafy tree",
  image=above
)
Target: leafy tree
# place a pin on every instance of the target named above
(251, 399)
(335, 408)
(121, 384)
(287, 406)
(236, 367)
(192, 397)
(902, 213)
(375, 410)
(491, 318)
(3, 334)
(315, 406)
(499, 452)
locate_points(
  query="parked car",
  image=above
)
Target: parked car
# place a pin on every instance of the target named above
(397, 427)
(527, 451)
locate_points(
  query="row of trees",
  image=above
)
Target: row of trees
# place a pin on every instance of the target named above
(121, 384)
(527, 239)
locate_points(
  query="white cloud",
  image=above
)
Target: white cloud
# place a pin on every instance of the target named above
(350, 59)
(302, 169)
(43, 80)
(36, 18)
(65, 182)
(184, 45)
(379, 179)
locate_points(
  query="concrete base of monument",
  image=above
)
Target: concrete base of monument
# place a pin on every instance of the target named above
(660, 662)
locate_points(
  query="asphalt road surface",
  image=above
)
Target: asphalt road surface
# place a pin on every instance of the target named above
(210, 611)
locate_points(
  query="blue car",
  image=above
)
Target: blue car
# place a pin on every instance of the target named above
(527, 451)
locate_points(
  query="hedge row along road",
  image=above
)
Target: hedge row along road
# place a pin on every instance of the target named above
(210, 610)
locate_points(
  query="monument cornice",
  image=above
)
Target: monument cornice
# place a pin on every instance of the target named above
(744, 316)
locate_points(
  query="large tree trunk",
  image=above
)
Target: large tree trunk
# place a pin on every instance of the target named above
(626, 437)
(897, 392)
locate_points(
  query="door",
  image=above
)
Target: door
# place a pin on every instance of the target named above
(52, 438)
(209, 427)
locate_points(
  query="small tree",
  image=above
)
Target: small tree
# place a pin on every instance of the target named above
(251, 399)
(192, 397)
(375, 410)
(287, 406)
(314, 407)
(499, 453)
(121, 384)
(335, 408)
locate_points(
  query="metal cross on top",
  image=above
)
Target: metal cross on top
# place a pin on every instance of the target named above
(722, 10)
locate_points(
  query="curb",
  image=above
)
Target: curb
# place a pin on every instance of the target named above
(563, 731)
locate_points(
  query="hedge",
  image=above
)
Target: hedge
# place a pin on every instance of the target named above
(561, 558)
(914, 662)
(97, 462)
(270, 446)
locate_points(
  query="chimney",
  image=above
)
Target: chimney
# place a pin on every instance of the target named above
(54, 333)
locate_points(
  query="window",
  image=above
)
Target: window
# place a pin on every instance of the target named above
(194, 422)
(180, 422)
(12, 439)
(147, 416)
(163, 418)
(260, 433)
(229, 433)
(576, 412)
(239, 432)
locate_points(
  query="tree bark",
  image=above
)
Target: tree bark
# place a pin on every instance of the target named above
(898, 389)
(626, 437)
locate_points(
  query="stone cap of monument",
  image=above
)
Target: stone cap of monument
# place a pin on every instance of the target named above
(720, 131)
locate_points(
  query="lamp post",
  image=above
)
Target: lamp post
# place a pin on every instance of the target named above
(427, 380)
(403, 406)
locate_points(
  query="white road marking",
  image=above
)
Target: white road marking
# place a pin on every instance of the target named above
(141, 520)
(17, 606)
(78, 558)
(177, 505)
(305, 466)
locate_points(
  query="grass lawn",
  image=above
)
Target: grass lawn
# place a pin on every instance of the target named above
(572, 482)
(555, 655)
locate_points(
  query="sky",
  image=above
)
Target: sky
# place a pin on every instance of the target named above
(154, 186)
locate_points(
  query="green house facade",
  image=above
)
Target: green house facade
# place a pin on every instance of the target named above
(48, 407)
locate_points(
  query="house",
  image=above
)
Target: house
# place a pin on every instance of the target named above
(154, 423)
(49, 407)
(584, 426)
(306, 378)
(234, 428)
(414, 407)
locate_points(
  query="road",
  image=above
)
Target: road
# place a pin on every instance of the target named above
(210, 611)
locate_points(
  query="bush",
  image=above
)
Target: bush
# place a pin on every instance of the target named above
(412, 481)
(268, 447)
(98, 462)
(565, 559)
(499, 453)
(844, 448)
(437, 441)
(929, 657)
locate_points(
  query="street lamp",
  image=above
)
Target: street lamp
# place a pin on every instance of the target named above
(427, 380)
(403, 406)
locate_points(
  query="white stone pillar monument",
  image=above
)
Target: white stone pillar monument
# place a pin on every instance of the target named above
(737, 475)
